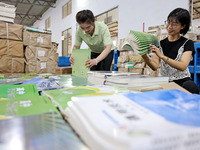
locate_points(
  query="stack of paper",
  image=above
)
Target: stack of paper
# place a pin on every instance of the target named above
(135, 81)
(7, 12)
(139, 42)
(99, 77)
(166, 119)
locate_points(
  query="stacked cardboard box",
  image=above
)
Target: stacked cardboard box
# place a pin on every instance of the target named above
(159, 31)
(11, 48)
(39, 54)
(149, 71)
(128, 61)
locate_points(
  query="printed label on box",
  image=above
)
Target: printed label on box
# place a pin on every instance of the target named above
(41, 53)
(43, 65)
(40, 39)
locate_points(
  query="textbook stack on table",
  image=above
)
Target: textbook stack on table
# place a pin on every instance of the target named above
(100, 77)
(136, 82)
(166, 119)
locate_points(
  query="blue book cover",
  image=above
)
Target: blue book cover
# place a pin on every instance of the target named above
(174, 105)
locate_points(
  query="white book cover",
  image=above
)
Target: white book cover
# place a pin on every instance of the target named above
(167, 119)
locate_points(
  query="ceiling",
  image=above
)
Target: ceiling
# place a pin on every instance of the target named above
(29, 11)
(196, 9)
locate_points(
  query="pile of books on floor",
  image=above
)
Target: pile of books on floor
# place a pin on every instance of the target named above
(7, 12)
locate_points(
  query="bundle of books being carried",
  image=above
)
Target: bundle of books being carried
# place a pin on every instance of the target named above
(139, 42)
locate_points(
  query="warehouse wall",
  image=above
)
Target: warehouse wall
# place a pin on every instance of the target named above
(132, 15)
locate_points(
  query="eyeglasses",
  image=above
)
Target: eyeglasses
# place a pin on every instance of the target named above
(172, 24)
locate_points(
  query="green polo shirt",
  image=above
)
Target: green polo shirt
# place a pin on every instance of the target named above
(98, 40)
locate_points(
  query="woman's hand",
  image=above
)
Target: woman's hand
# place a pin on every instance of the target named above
(91, 62)
(71, 59)
(155, 50)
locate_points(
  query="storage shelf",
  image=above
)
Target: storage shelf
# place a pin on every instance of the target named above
(194, 66)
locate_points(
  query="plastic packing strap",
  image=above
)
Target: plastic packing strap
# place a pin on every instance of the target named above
(12, 64)
(7, 39)
(29, 42)
(7, 47)
(7, 30)
(37, 66)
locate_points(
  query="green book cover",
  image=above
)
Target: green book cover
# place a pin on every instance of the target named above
(80, 57)
(18, 91)
(61, 96)
(26, 106)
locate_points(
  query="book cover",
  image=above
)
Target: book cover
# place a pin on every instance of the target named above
(44, 84)
(18, 91)
(80, 57)
(60, 97)
(166, 119)
(70, 81)
(26, 106)
(47, 131)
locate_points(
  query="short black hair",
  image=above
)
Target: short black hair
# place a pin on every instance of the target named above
(85, 16)
(182, 16)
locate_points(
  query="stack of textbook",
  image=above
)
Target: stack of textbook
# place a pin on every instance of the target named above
(135, 81)
(165, 119)
(100, 77)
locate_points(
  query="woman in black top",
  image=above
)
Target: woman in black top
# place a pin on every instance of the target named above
(175, 51)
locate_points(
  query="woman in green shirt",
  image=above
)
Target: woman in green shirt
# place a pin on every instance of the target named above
(97, 36)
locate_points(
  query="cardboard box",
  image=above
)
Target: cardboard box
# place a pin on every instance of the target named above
(63, 70)
(136, 70)
(40, 65)
(11, 64)
(37, 39)
(54, 46)
(11, 48)
(11, 31)
(36, 52)
(56, 57)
